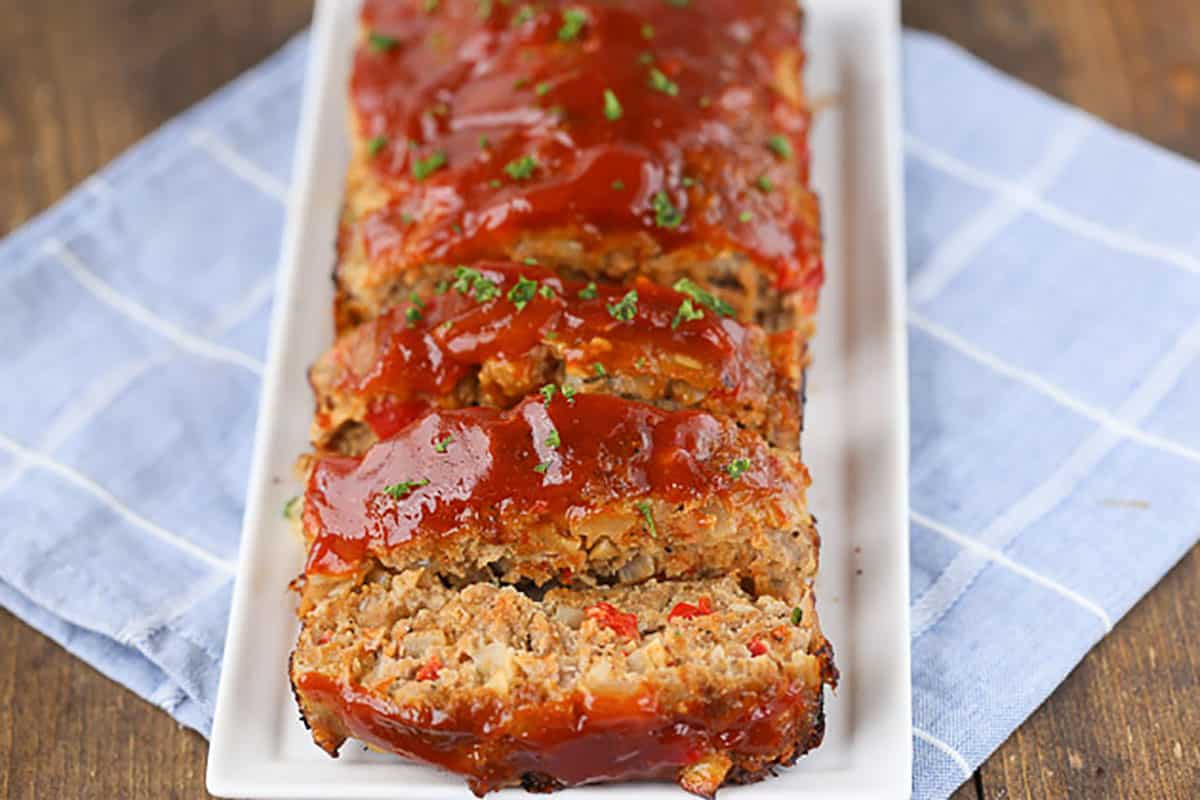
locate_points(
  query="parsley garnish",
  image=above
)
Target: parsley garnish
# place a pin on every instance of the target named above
(522, 292)
(485, 290)
(381, 43)
(467, 280)
(660, 82)
(530, 260)
(521, 169)
(415, 299)
(443, 444)
(737, 467)
(780, 146)
(523, 15)
(546, 291)
(745, 216)
(430, 6)
(686, 313)
(552, 438)
(612, 106)
(588, 292)
(797, 615)
(702, 297)
(573, 21)
(376, 144)
(402, 489)
(763, 183)
(441, 287)
(542, 467)
(445, 326)
(422, 168)
(520, 83)
(495, 183)
(413, 315)
(665, 214)
(618, 185)
(569, 393)
(645, 58)
(599, 368)
(644, 507)
(647, 31)
(289, 508)
(687, 182)
(542, 89)
(547, 393)
(625, 309)
(484, 142)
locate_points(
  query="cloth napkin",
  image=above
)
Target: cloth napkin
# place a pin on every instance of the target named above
(1054, 323)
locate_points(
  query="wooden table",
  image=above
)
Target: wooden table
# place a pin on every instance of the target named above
(81, 80)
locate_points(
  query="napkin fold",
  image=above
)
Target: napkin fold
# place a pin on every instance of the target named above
(1054, 324)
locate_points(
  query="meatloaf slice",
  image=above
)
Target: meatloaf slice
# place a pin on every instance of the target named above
(495, 333)
(663, 139)
(693, 681)
(572, 488)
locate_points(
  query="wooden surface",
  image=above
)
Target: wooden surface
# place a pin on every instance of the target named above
(80, 80)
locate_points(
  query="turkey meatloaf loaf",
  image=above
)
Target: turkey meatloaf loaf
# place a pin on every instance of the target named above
(693, 681)
(495, 333)
(608, 140)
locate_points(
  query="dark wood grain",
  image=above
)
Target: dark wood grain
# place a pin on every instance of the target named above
(81, 80)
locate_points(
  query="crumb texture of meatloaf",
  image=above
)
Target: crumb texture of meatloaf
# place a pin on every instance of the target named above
(496, 333)
(555, 512)
(691, 680)
(609, 140)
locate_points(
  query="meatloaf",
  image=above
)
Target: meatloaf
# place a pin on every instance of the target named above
(609, 140)
(694, 681)
(496, 333)
(555, 513)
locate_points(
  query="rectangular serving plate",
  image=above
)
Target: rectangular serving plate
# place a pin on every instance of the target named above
(855, 443)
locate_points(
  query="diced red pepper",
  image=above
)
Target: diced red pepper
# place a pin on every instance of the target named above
(429, 672)
(702, 608)
(756, 646)
(610, 616)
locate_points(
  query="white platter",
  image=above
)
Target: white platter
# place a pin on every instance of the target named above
(856, 445)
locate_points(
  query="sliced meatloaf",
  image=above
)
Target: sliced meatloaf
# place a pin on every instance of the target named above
(647, 137)
(495, 333)
(578, 489)
(692, 681)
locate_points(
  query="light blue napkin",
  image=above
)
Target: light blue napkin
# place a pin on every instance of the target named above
(1054, 271)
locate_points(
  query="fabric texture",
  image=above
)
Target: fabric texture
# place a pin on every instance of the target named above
(1054, 323)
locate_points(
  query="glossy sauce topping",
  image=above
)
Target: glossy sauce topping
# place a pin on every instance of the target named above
(561, 458)
(421, 351)
(584, 739)
(489, 119)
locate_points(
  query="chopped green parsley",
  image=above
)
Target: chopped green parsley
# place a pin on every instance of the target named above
(665, 214)
(430, 6)
(402, 489)
(618, 185)
(644, 507)
(523, 15)
(441, 287)
(702, 297)
(415, 299)
(443, 444)
(569, 393)
(599, 368)
(521, 169)
(763, 183)
(381, 43)
(552, 438)
(376, 144)
(573, 22)
(413, 315)
(745, 216)
(661, 83)
(530, 260)
(422, 168)
(522, 292)
(289, 508)
(797, 615)
(626, 308)
(780, 146)
(646, 57)
(647, 31)
(542, 467)
(467, 281)
(546, 291)
(612, 106)
(588, 292)
(686, 313)
(485, 142)
(547, 393)
(542, 89)
(737, 467)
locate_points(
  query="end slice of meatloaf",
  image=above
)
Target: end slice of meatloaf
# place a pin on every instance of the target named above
(573, 488)
(692, 681)
(608, 153)
(495, 333)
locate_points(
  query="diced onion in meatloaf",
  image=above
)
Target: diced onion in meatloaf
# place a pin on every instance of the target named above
(694, 681)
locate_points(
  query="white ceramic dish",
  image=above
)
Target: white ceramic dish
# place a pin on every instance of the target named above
(856, 445)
